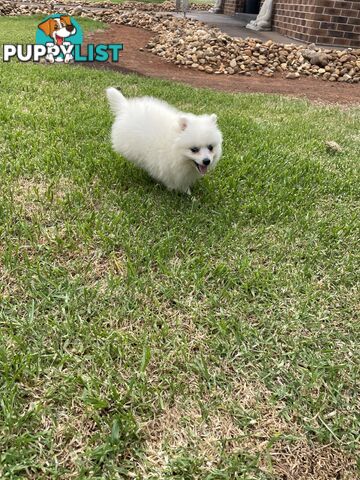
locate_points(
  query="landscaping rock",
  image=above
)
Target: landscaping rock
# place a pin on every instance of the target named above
(333, 146)
(320, 59)
(293, 75)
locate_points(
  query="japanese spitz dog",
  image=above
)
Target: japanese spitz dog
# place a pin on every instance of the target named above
(174, 147)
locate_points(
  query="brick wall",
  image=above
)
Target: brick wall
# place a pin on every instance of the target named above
(233, 6)
(329, 22)
(294, 18)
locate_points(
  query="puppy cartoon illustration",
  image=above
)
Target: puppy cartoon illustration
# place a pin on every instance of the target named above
(58, 29)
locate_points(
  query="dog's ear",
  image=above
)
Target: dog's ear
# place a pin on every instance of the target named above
(213, 117)
(66, 19)
(183, 123)
(48, 26)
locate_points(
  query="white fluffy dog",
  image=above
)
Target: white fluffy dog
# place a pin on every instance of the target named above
(175, 148)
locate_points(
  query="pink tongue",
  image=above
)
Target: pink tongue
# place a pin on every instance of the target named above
(202, 169)
(59, 40)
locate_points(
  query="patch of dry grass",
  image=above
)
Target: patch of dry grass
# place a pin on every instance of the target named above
(92, 266)
(37, 196)
(281, 445)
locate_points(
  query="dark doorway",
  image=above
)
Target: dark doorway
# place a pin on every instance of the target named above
(252, 6)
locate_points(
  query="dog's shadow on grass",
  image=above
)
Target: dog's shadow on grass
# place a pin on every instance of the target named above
(204, 215)
(220, 204)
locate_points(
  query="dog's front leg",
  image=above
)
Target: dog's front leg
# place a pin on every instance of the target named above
(67, 49)
(50, 58)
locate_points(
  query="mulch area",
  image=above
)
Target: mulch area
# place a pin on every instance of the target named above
(134, 60)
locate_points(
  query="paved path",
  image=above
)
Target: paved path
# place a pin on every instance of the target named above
(235, 26)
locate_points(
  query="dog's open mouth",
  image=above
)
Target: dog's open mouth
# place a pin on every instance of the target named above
(59, 40)
(202, 169)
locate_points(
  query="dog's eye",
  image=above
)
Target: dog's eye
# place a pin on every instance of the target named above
(195, 149)
(211, 148)
(56, 27)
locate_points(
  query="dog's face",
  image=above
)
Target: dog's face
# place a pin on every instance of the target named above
(200, 141)
(58, 28)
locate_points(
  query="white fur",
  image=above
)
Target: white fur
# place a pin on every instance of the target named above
(158, 138)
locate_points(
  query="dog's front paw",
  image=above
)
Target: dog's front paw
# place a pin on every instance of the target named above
(68, 58)
(50, 58)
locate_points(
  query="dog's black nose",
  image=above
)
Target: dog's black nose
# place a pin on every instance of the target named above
(69, 28)
(206, 161)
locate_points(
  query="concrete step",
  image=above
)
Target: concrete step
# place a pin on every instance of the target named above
(244, 18)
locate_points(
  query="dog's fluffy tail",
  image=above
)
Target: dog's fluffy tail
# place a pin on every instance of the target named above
(116, 100)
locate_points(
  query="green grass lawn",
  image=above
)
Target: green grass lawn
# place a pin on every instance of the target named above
(148, 334)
